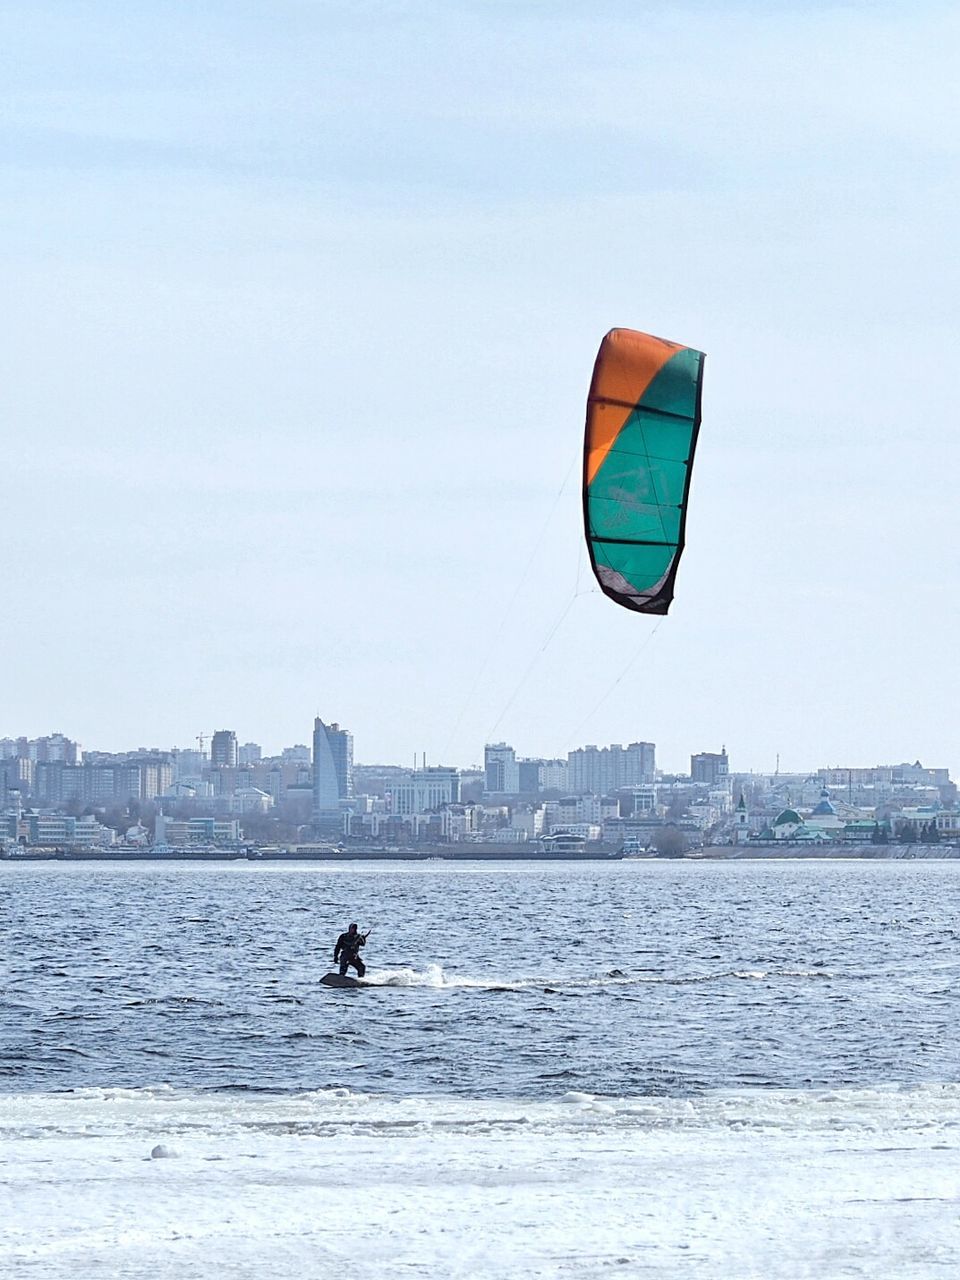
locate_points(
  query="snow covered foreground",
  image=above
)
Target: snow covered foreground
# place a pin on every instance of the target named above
(161, 1183)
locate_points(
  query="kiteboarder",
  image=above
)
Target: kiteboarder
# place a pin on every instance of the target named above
(347, 951)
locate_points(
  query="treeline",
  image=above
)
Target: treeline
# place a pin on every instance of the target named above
(907, 833)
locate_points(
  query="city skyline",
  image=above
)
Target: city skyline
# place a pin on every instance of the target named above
(600, 801)
(645, 757)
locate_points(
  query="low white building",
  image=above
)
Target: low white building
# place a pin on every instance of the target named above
(177, 832)
(580, 830)
(461, 821)
(586, 808)
(646, 799)
(248, 800)
(423, 790)
(529, 820)
(58, 830)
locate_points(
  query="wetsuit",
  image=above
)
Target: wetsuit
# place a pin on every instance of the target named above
(347, 951)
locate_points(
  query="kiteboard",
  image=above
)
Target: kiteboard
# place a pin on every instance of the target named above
(340, 980)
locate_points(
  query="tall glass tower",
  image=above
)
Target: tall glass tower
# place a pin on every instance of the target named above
(332, 773)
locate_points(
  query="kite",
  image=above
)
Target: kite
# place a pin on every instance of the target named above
(643, 418)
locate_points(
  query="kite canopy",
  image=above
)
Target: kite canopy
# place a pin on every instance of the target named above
(643, 416)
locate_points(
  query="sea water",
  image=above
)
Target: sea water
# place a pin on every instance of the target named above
(657, 1069)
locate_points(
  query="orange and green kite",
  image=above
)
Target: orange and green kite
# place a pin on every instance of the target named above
(643, 417)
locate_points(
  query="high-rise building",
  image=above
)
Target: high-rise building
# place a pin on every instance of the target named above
(332, 771)
(50, 785)
(53, 749)
(553, 775)
(501, 770)
(223, 750)
(536, 776)
(341, 745)
(600, 771)
(710, 767)
(156, 777)
(528, 777)
(188, 763)
(249, 753)
(144, 778)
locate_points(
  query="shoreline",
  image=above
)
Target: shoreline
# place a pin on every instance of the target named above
(478, 853)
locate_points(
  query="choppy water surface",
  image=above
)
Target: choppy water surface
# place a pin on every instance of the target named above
(519, 980)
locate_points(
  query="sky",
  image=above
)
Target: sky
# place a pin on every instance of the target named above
(302, 303)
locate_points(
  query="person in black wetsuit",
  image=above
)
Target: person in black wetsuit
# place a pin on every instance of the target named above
(347, 951)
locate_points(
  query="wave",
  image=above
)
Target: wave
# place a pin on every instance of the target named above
(203, 1001)
(434, 977)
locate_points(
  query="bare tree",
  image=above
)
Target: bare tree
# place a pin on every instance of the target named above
(670, 842)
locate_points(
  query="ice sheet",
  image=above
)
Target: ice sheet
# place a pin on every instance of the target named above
(772, 1184)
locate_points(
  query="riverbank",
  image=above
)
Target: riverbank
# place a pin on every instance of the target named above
(784, 849)
(489, 853)
(308, 853)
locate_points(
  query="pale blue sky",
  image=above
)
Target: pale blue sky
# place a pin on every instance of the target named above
(302, 304)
